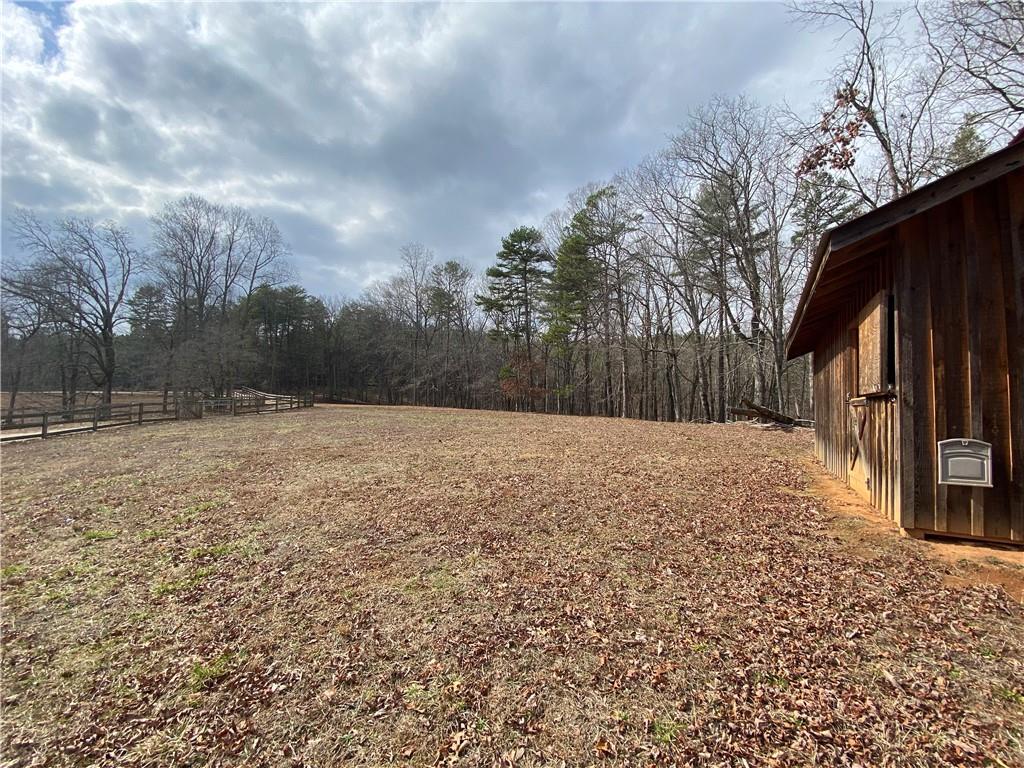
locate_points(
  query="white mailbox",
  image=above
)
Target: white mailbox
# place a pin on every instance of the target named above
(965, 462)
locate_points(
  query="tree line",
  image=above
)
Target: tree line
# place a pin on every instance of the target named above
(86, 307)
(662, 293)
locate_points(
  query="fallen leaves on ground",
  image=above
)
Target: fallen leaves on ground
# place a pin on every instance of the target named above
(354, 585)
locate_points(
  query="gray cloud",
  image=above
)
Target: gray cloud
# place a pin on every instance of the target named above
(360, 127)
(73, 122)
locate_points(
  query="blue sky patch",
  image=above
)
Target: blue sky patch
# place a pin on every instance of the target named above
(55, 15)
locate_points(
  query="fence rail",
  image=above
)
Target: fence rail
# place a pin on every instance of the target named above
(102, 416)
(33, 417)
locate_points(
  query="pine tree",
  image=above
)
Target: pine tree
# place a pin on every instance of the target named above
(822, 203)
(513, 300)
(571, 291)
(966, 147)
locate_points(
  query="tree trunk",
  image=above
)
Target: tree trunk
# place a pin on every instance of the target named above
(15, 386)
(720, 415)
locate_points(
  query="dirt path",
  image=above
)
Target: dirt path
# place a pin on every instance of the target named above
(962, 562)
(355, 585)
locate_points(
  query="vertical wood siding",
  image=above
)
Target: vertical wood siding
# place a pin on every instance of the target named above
(965, 294)
(835, 377)
(956, 273)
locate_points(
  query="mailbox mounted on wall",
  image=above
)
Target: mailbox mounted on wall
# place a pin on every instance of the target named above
(965, 462)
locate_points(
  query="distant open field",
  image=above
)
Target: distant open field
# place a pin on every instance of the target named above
(358, 585)
(51, 401)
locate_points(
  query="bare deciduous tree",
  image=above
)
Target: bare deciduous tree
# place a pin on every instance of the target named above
(888, 126)
(983, 42)
(21, 320)
(209, 260)
(79, 272)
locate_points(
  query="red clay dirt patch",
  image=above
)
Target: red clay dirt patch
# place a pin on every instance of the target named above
(357, 585)
(962, 563)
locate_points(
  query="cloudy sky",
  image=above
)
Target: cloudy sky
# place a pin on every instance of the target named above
(361, 127)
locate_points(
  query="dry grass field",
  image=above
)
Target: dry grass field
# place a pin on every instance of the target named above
(359, 586)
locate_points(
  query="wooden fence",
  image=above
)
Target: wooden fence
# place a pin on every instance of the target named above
(48, 423)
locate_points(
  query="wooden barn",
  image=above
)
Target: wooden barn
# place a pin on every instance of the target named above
(915, 315)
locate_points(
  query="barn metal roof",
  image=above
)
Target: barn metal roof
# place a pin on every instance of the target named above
(845, 253)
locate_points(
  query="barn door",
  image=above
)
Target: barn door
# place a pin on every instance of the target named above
(870, 413)
(857, 416)
(860, 445)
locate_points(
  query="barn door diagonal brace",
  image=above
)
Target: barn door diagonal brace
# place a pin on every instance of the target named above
(861, 415)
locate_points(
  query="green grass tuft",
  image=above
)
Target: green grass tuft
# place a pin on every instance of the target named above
(204, 674)
(204, 506)
(665, 730)
(218, 550)
(162, 588)
(1010, 695)
(14, 569)
(97, 535)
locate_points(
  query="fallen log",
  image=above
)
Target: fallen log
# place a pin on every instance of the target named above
(750, 412)
(768, 413)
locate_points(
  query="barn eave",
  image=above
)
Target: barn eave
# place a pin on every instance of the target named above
(846, 252)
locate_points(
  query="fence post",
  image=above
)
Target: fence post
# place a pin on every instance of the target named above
(46, 423)
(233, 401)
(95, 418)
(140, 413)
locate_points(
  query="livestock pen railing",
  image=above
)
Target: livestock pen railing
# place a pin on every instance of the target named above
(26, 424)
(85, 419)
(237, 406)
